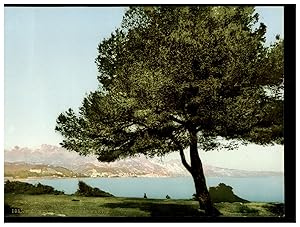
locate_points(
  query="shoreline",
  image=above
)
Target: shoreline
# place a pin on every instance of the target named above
(110, 177)
(82, 177)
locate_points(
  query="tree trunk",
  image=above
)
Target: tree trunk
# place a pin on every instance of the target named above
(197, 173)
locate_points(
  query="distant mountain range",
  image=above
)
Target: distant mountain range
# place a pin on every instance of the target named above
(53, 161)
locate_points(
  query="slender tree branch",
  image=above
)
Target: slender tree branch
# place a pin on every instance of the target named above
(177, 120)
(182, 156)
(184, 162)
(139, 123)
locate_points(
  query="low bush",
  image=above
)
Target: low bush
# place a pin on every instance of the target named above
(88, 191)
(26, 188)
(224, 193)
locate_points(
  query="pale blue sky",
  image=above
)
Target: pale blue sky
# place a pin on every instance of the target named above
(49, 64)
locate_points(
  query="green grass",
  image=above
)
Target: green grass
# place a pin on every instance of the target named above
(248, 209)
(78, 206)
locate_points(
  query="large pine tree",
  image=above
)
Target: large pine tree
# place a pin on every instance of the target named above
(173, 78)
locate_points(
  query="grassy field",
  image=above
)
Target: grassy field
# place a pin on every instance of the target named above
(78, 206)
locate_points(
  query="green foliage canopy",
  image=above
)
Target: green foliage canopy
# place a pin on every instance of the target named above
(168, 71)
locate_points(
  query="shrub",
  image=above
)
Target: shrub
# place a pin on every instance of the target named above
(88, 191)
(26, 188)
(224, 193)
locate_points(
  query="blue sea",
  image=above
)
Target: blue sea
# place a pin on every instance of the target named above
(256, 189)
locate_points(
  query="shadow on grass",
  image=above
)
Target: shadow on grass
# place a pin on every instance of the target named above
(159, 210)
(276, 209)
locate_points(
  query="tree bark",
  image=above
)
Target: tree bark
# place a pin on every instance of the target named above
(197, 173)
(196, 170)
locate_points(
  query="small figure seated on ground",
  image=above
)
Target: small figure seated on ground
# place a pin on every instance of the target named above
(168, 197)
(145, 196)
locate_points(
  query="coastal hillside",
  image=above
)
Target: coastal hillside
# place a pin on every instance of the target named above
(25, 170)
(48, 160)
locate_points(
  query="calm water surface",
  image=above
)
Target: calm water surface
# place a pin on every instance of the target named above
(263, 189)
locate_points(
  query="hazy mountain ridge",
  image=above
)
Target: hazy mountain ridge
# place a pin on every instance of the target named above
(76, 165)
(46, 154)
